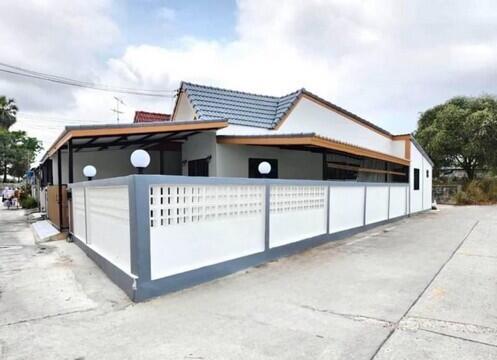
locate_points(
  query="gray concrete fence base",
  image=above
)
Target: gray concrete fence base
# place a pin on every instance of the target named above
(145, 289)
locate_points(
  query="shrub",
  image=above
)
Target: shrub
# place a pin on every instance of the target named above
(478, 192)
(29, 202)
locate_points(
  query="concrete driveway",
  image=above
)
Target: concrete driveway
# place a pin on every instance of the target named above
(421, 288)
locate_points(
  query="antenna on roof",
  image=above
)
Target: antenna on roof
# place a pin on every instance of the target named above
(116, 109)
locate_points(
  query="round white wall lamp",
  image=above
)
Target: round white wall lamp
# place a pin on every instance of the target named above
(89, 171)
(140, 159)
(264, 168)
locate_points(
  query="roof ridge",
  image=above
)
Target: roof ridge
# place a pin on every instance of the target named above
(234, 91)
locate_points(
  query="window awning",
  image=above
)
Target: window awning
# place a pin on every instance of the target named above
(310, 140)
(120, 136)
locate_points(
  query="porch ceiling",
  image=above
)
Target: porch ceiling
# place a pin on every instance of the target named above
(310, 140)
(100, 137)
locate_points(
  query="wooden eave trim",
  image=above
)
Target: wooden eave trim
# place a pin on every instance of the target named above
(310, 141)
(83, 133)
(407, 144)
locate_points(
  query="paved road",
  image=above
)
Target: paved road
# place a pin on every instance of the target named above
(422, 288)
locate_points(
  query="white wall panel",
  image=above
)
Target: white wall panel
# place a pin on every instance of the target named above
(79, 213)
(296, 213)
(192, 226)
(346, 207)
(416, 196)
(398, 201)
(376, 204)
(108, 224)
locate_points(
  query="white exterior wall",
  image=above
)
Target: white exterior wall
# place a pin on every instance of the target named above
(113, 163)
(184, 109)
(233, 161)
(308, 116)
(420, 199)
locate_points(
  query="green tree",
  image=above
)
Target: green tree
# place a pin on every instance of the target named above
(17, 151)
(8, 112)
(461, 132)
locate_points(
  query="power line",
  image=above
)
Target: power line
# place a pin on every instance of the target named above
(18, 71)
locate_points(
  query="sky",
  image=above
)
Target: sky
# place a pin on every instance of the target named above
(384, 60)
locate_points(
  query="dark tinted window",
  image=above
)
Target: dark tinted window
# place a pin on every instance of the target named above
(416, 179)
(198, 167)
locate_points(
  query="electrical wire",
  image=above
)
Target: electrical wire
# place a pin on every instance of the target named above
(18, 71)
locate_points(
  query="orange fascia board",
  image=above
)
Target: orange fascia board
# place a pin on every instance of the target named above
(310, 140)
(134, 130)
(407, 144)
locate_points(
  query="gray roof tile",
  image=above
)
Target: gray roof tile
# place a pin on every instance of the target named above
(238, 107)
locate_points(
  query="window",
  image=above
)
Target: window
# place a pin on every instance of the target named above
(416, 179)
(253, 170)
(341, 166)
(427, 173)
(198, 167)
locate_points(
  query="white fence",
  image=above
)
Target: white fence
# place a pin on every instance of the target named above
(100, 217)
(157, 227)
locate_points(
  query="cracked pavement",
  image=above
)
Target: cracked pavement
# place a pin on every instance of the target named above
(421, 288)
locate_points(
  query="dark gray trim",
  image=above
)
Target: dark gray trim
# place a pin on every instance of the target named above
(190, 278)
(388, 213)
(365, 206)
(186, 180)
(118, 277)
(142, 224)
(267, 215)
(328, 210)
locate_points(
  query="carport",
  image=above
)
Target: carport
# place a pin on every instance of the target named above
(108, 147)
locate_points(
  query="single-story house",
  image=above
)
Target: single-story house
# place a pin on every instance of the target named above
(227, 133)
(328, 173)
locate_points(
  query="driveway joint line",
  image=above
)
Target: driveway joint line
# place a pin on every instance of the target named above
(46, 317)
(414, 317)
(458, 337)
(389, 335)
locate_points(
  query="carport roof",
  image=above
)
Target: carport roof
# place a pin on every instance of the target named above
(123, 135)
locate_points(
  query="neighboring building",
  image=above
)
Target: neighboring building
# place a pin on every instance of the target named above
(145, 117)
(225, 133)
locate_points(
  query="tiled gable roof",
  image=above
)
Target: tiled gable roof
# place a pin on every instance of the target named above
(254, 110)
(239, 108)
(145, 116)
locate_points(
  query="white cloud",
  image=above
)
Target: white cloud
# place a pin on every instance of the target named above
(384, 60)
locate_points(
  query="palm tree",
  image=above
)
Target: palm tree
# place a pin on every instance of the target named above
(8, 111)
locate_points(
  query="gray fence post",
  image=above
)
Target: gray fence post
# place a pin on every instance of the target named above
(328, 210)
(388, 213)
(364, 205)
(267, 206)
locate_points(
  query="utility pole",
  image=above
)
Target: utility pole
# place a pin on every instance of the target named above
(116, 109)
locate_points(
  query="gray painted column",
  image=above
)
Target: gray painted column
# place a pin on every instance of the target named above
(267, 206)
(388, 214)
(364, 205)
(328, 210)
